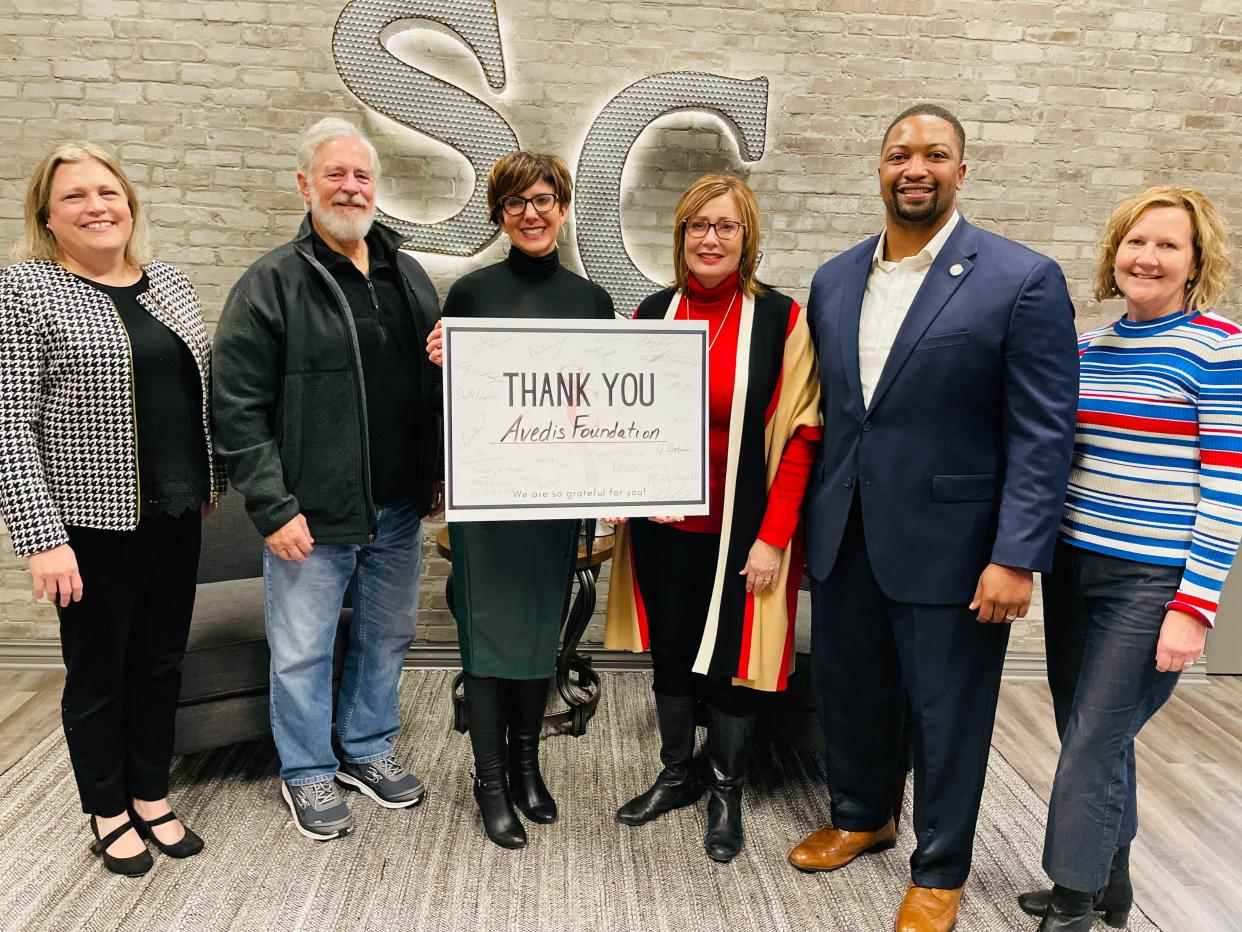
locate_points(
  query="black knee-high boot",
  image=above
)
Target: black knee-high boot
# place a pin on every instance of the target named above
(727, 738)
(488, 700)
(526, 784)
(678, 784)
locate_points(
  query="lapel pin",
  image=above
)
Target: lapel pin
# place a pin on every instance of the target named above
(956, 269)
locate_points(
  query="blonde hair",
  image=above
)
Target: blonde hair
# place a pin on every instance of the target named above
(1211, 242)
(38, 242)
(514, 173)
(692, 201)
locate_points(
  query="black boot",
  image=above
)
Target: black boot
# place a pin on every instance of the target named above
(1068, 911)
(526, 784)
(727, 737)
(488, 700)
(1114, 900)
(678, 784)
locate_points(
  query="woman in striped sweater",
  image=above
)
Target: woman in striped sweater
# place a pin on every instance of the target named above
(1152, 519)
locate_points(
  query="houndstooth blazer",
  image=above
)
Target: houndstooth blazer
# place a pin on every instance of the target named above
(68, 445)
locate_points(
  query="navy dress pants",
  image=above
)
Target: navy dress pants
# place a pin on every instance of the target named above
(868, 654)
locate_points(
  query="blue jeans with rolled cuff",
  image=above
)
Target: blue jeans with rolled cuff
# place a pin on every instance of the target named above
(302, 602)
(1102, 619)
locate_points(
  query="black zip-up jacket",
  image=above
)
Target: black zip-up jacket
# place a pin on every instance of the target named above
(289, 400)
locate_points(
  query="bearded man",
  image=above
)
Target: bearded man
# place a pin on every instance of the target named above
(949, 377)
(327, 413)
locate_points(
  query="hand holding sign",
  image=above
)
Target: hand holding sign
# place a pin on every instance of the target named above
(550, 418)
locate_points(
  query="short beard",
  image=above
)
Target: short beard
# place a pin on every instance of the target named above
(341, 229)
(924, 213)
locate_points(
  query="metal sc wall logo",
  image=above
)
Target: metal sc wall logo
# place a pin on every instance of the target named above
(461, 120)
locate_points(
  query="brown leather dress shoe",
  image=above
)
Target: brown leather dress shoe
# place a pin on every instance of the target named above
(927, 909)
(828, 848)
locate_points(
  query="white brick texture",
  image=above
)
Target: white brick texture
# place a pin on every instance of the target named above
(1067, 108)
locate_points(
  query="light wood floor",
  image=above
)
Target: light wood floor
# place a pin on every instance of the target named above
(29, 710)
(1187, 862)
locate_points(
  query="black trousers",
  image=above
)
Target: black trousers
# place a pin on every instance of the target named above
(122, 646)
(676, 571)
(868, 654)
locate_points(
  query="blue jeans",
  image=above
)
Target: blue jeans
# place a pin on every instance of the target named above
(1102, 619)
(302, 602)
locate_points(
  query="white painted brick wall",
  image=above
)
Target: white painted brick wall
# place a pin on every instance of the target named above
(1067, 107)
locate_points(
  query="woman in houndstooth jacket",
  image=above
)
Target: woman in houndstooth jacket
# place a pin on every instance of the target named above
(106, 472)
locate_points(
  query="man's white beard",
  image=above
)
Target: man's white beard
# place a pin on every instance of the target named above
(342, 229)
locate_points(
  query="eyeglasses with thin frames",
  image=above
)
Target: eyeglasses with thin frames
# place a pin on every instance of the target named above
(515, 205)
(725, 229)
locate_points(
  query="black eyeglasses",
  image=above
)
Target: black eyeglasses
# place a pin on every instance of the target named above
(515, 206)
(725, 229)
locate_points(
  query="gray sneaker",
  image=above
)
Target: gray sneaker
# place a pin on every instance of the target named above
(385, 781)
(319, 810)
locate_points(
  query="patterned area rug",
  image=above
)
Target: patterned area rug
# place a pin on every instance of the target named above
(431, 868)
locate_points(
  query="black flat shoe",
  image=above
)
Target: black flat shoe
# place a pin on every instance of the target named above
(134, 866)
(187, 847)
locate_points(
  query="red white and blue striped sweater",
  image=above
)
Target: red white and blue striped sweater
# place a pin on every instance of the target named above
(1157, 470)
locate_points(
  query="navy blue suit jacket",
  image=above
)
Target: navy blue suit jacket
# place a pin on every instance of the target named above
(962, 457)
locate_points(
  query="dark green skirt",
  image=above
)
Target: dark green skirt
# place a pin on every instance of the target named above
(510, 583)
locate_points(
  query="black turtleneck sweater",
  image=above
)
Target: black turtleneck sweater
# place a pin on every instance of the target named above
(528, 286)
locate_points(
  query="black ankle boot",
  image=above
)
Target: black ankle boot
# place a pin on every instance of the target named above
(496, 808)
(1114, 900)
(678, 784)
(488, 700)
(1069, 911)
(727, 737)
(526, 784)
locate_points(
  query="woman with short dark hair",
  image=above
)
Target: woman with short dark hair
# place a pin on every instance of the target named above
(106, 471)
(511, 579)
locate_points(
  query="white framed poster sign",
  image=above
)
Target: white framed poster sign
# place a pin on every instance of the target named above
(574, 419)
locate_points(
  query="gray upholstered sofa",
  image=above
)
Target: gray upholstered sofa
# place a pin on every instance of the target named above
(224, 677)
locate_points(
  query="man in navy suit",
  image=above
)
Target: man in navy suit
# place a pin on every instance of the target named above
(949, 375)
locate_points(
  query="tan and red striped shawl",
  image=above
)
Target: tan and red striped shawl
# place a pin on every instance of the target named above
(748, 638)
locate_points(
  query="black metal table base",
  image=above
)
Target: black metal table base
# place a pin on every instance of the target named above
(576, 681)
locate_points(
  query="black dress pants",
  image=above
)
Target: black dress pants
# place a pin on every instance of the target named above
(869, 653)
(122, 645)
(676, 570)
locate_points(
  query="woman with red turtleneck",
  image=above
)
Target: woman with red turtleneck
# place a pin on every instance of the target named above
(713, 596)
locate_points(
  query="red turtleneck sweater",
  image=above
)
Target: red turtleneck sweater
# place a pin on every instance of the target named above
(721, 307)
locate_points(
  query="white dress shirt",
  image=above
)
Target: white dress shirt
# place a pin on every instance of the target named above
(891, 289)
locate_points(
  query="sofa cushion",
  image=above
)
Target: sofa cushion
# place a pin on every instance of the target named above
(227, 652)
(232, 548)
(206, 725)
